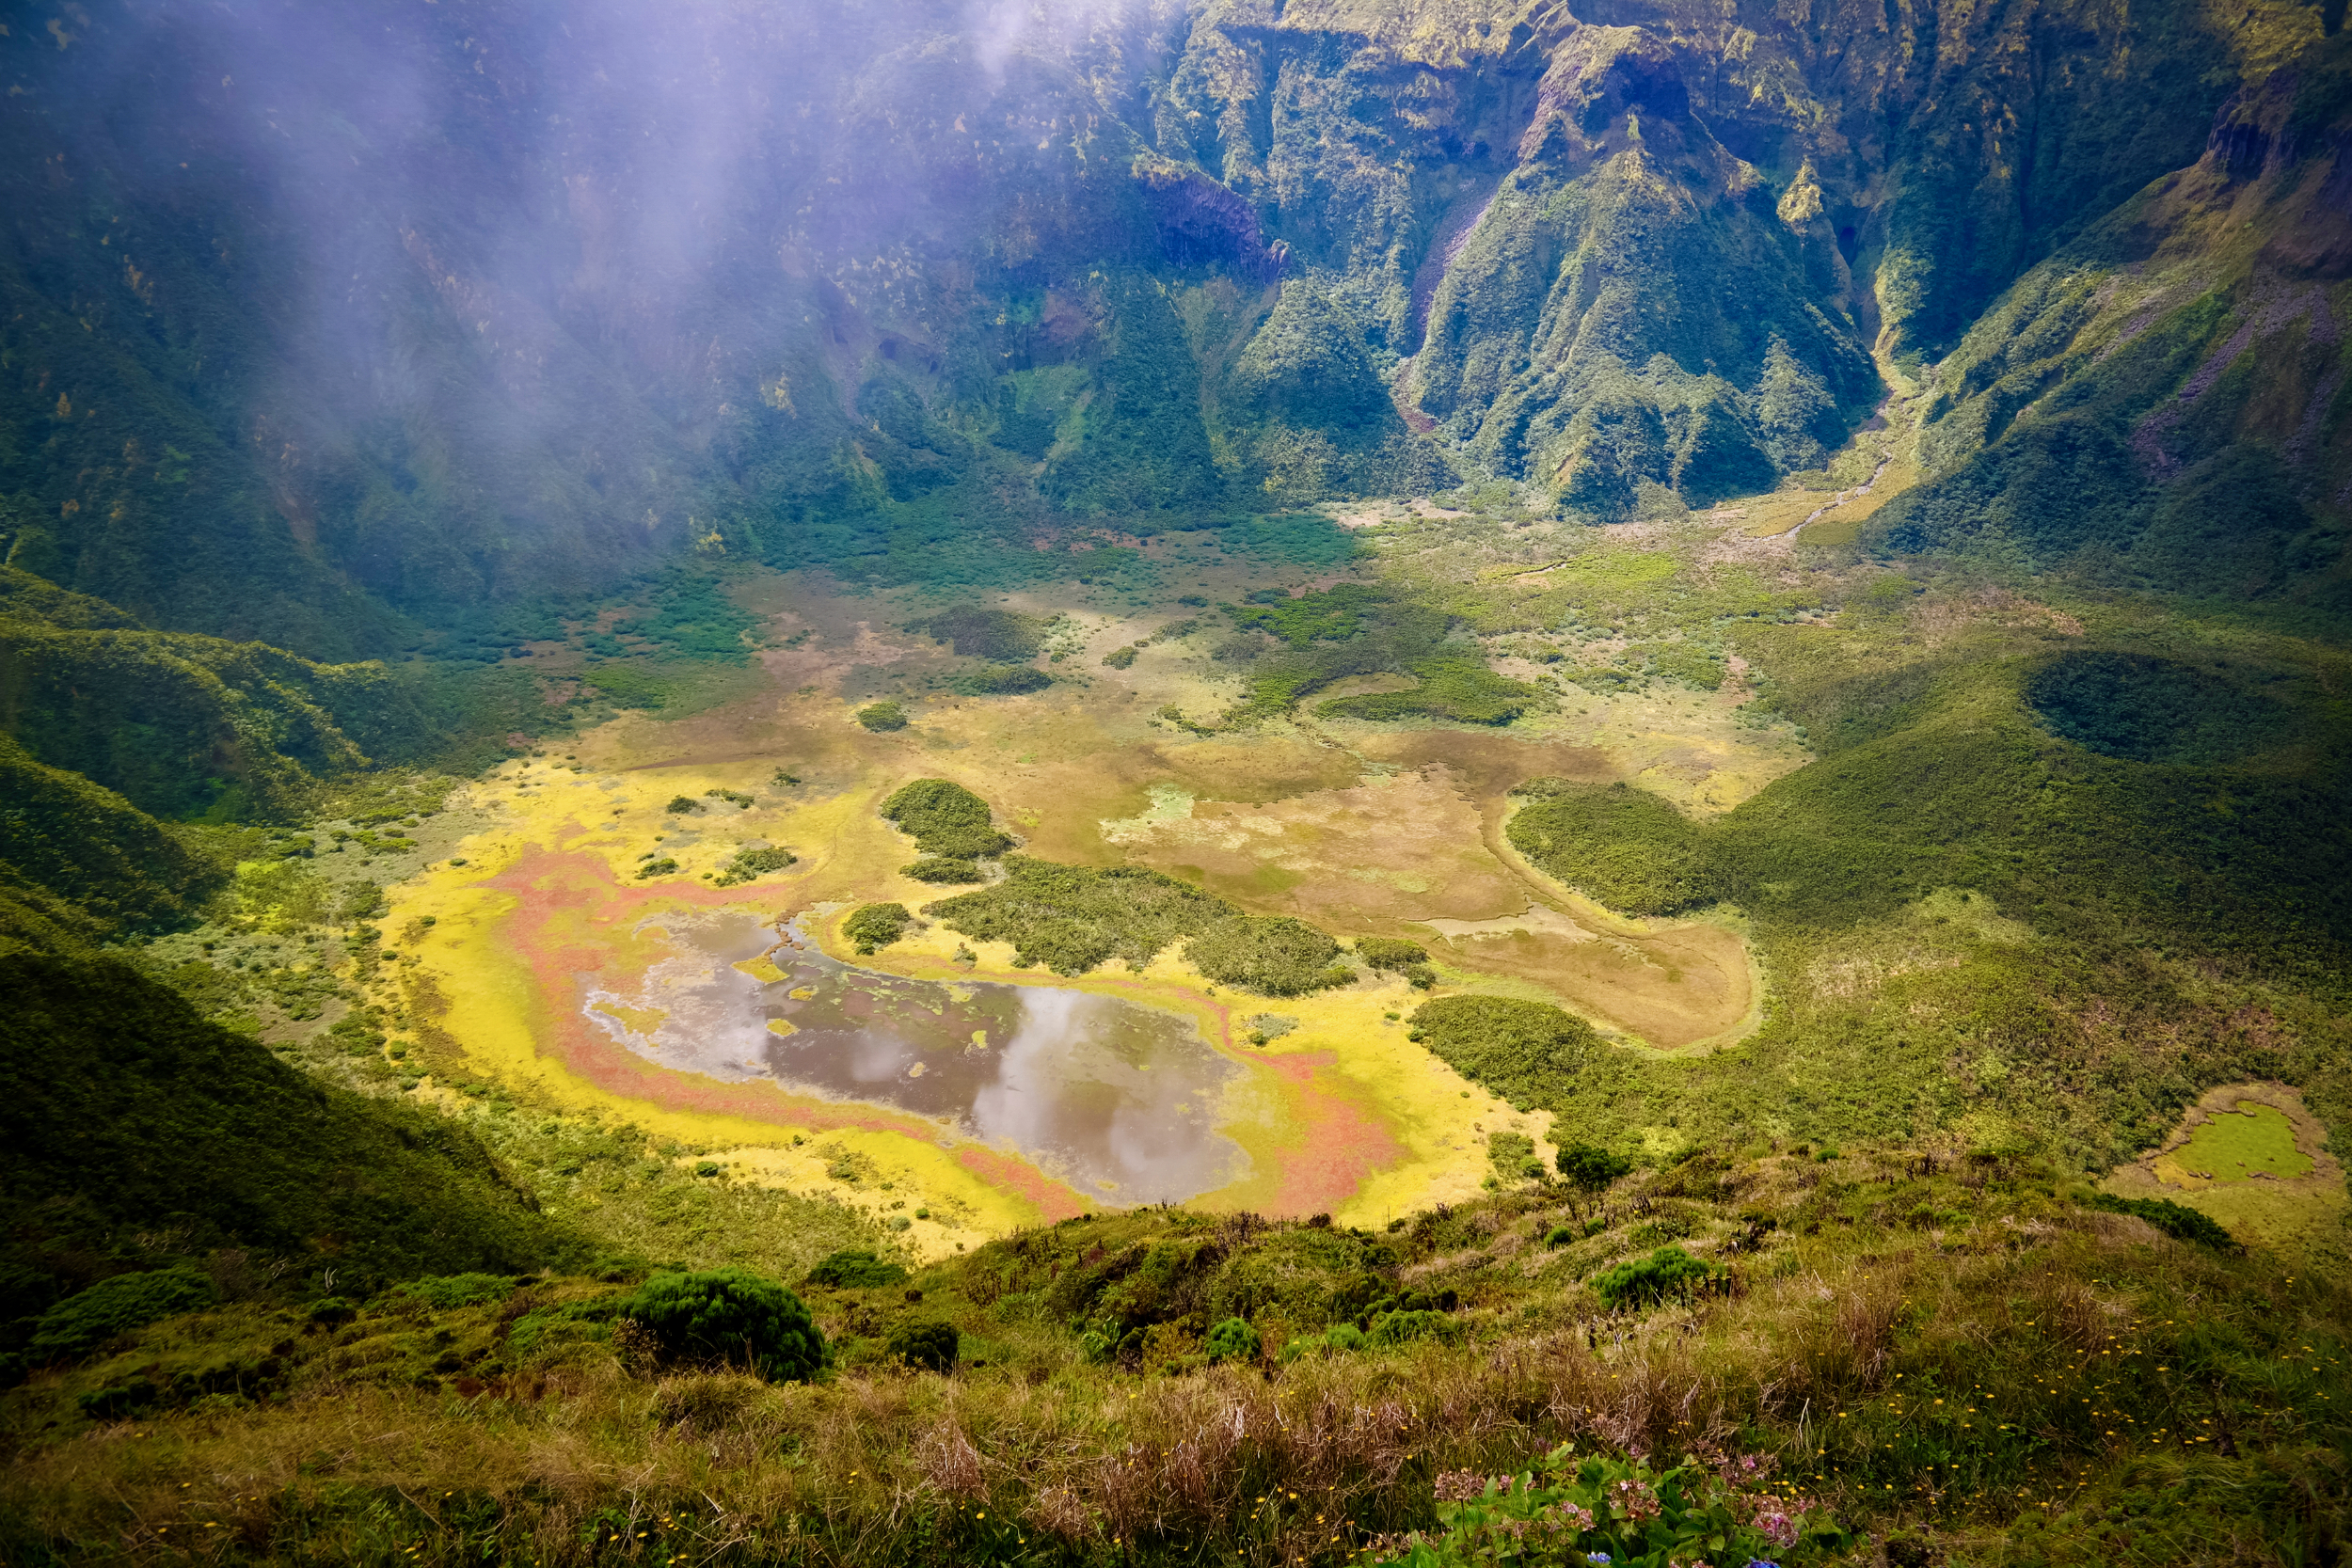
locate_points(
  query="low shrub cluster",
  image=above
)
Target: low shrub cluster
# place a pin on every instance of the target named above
(1593, 1508)
(727, 1318)
(1623, 847)
(1000, 680)
(750, 865)
(1408, 958)
(873, 927)
(1529, 1052)
(1073, 918)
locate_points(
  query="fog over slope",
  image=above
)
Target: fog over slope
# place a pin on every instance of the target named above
(416, 303)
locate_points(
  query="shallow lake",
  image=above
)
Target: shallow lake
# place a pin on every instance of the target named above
(1118, 1100)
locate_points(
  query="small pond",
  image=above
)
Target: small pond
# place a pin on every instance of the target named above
(1118, 1100)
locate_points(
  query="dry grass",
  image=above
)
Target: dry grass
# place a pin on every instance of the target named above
(1836, 1351)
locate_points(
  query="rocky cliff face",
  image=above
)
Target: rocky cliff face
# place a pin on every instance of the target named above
(401, 309)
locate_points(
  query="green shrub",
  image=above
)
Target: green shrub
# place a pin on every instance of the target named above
(1528, 1052)
(682, 803)
(1588, 1508)
(932, 1346)
(728, 1317)
(1273, 956)
(661, 866)
(118, 1399)
(1000, 680)
(944, 870)
(1234, 1339)
(855, 1269)
(876, 925)
(1560, 1236)
(444, 1292)
(81, 1322)
(977, 632)
(1513, 1156)
(749, 865)
(1119, 658)
(1590, 1169)
(1623, 847)
(2176, 1220)
(1404, 1325)
(945, 820)
(882, 717)
(1390, 954)
(1640, 1282)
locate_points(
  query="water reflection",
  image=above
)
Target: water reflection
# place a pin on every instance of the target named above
(1119, 1100)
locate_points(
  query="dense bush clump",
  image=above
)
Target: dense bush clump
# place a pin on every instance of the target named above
(1623, 847)
(945, 820)
(1275, 956)
(1234, 1339)
(1640, 1282)
(932, 1346)
(1590, 1169)
(2176, 1220)
(855, 1269)
(83, 1321)
(876, 925)
(1529, 1051)
(1071, 918)
(882, 717)
(977, 631)
(1001, 680)
(749, 865)
(729, 1317)
(943, 870)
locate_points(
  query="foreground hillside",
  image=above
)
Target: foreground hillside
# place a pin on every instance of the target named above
(1920, 1359)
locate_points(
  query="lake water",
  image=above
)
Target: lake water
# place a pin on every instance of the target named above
(1119, 1100)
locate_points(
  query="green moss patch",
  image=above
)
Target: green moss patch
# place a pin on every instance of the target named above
(2256, 1140)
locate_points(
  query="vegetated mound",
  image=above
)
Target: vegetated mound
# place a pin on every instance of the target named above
(1073, 918)
(133, 1131)
(1357, 630)
(1000, 680)
(1529, 1052)
(2144, 709)
(1623, 847)
(975, 631)
(945, 820)
(728, 1318)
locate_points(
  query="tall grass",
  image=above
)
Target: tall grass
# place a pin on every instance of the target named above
(2013, 1380)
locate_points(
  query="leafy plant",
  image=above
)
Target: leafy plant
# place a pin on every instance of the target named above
(1640, 1282)
(1590, 1169)
(1618, 1511)
(748, 865)
(945, 820)
(932, 1346)
(1234, 1339)
(1390, 953)
(882, 717)
(856, 1269)
(1522, 1051)
(943, 870)
(1000, 680)
(728, 1317)
(1624, 848)
(83, 1321)
(2176, 1220)
(876, 925)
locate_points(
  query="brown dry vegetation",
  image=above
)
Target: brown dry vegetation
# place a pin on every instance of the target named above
(1947, 1349)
